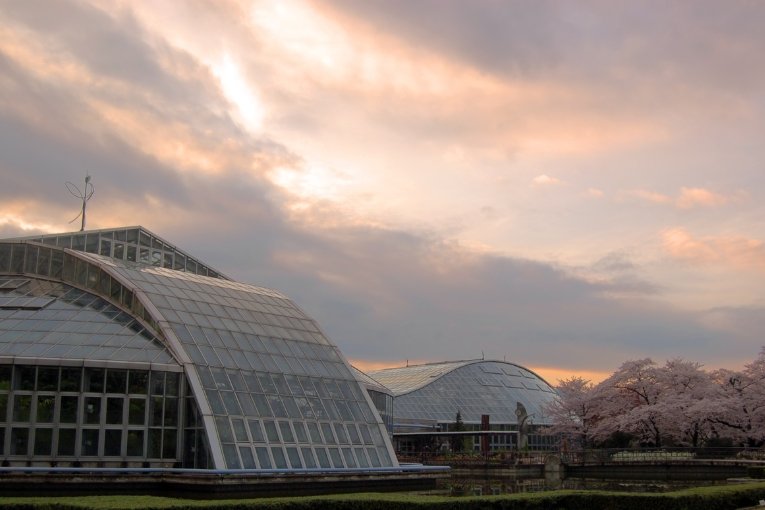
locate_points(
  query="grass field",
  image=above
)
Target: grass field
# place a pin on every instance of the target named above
(717, 497)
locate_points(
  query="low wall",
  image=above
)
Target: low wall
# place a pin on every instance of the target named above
(201, 485)
(666, 471)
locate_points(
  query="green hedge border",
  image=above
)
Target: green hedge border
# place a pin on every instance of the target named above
(713, 498)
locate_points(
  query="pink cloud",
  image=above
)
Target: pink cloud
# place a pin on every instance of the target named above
(544, 180)
(688, 198)
(693, 197)
(595, 192)
(650, 196)
(740, 252)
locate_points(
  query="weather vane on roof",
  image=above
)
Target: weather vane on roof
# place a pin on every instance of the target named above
(84, 195)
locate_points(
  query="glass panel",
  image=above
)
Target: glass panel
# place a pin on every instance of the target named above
(19, 441)
(155, 411)
(5, 257)
(70, 379)
(334, 454)
(313, 431)
(81, 272)
(240, 432)
(57, 264)
(353, 434)
(342, 437)
(302, 437)
(17, 258)
(47, 379)
(114, 407)
(157, 383)
(116, 381)
(248, 408)
(374, 459)
(92, 410)
(5, 377)
(66, 441)
(94, 380)
(106, 248)
(361, 457)
(112, 443)
(229, 399)
(45, 407)
(43, 441)
(135, 443)
(31, 260)
(286, 431)
(171, 412)
(248, 461)
(43, 262)
(280, 462)
(139, 382)
(321, 455)
(78, 242)
(68, 413)
(224, 430)
(310, 462)
(261, 403)
(155, 443)
(90, 442)
(168, 444)
(276, 405)
(294, 456)
(22, 405)
(263, 459)
(171, 381)
(24, 378)
(326, 429)
(3, 407)
(137, 411)
(271, 434)
(255, 431)
(215, 402)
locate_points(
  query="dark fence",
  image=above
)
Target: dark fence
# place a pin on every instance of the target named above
(583, 457)
(658, 455)
(496, 459)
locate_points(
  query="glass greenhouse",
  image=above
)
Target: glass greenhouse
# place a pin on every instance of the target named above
(428, 397)
(118, 349)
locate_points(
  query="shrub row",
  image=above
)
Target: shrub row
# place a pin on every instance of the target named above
(704, 498)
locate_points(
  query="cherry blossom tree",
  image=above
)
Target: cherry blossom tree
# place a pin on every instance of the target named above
(571, 412)
(676, 403)
(739, 409)
(687, 401)
(627, 402)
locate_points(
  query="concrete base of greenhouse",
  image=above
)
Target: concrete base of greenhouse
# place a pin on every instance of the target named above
(199, 485)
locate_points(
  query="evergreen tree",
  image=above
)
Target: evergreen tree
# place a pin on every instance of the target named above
(459, 426)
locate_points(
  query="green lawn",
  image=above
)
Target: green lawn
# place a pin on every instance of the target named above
(716, 497)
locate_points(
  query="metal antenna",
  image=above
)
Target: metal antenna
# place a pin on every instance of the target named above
(84, 195)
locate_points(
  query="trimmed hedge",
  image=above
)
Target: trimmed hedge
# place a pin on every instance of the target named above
(704, 498)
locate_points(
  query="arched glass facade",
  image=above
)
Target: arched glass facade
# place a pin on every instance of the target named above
(236, 376)
(381, 397)
(429, 397)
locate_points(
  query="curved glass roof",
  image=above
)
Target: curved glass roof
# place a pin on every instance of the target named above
(405, 379)
(370, 383)
(132, 244)
(53, 320)
(436, 391)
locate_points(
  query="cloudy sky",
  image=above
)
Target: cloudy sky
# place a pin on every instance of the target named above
(566, 185)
